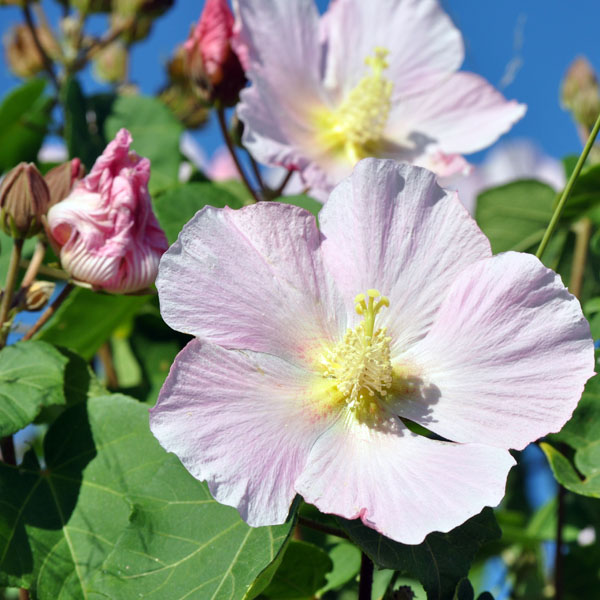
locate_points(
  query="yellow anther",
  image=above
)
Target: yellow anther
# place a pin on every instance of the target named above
(355, 128)
(359, 366)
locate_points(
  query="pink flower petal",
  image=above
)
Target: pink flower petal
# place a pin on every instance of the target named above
(423, 43)
(251, 279)
(462, 114)
(242, 421)
(391, 227)
(507, 357)
(403, 485)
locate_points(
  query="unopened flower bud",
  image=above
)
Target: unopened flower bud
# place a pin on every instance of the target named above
(24, 200)
(580, 92)
(105, 231)
(110, 63)
(22, 53)
(183, 103)
(212, 62)
(61, 179)
(37, 295)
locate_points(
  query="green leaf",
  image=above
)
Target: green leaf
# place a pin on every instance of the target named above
(585, 195)
(155, 134)
(584, 426)
(110, 494)
(582, 433)
(566, 475)
(31, 377)
(177, 206)
(86, 319)
(439, 563)
(60, 522)
(80, 141)
(300, 574)
(24, 118)
(155, 346)
(303, 201)
(346, 565)
(180, 543)
(514, 216)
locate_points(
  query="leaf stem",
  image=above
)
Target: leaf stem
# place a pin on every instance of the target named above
(9, 288)
(365, 583)
(229, 143)
(568, 189)
(49, 312)
(311, 524)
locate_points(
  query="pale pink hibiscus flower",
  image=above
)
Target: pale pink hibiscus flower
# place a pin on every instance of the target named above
(368, 78)
(313, 345)
(105, 231)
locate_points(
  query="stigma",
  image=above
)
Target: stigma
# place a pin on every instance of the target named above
(359, 367)
(356, 126)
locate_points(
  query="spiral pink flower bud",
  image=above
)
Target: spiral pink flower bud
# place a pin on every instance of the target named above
(105, 231)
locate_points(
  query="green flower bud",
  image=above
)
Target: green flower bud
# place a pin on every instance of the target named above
(580, 92)
(24, 200)
(61, 179)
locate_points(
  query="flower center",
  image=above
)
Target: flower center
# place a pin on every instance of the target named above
(360, 364)
(356, 127)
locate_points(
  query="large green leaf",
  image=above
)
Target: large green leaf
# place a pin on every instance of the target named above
(24, 118)
(440, 562)
(110, 494)
(514, 216)
(31, 378)
(346, 565)
(301, 573)
(585, 195)
(86, 319)
(182, 544)
(582, 433)
(177, 206)
(155, 134)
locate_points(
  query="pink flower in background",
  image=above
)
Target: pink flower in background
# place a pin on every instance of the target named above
(105, 231)
(311, 345)
(373, 78)
(509, 161)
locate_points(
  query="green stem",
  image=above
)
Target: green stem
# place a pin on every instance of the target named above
(568, 189)
(9, 288)
(229, 143)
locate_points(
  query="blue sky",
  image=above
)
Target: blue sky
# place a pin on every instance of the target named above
(537, 39)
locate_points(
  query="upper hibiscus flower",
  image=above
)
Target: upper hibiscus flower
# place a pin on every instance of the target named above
(312, 345)
(105, 231)
(374, 78)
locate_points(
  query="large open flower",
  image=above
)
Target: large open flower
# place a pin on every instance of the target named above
(312, 346)
(369, 78)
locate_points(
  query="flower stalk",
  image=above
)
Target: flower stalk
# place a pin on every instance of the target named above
(568, 189)
(9, 287)
(229, 143)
